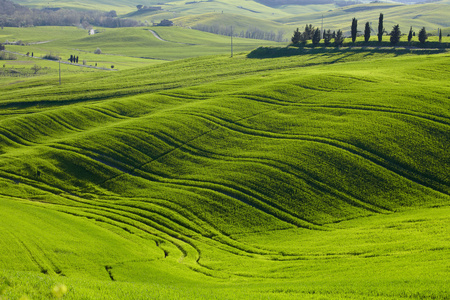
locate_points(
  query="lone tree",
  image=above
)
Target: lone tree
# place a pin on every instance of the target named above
(410, 35)
(380, 28)
(316, 38)
(423, 35)
(367, 30)
(395, 34)
(296, 37)
(354, 29)
(440, 35)
(339, 39)
(36, 68)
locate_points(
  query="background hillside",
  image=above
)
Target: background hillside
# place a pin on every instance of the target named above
(277, 17)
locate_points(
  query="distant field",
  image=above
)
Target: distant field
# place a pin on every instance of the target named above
(122, 48)
(315, 176)
(250, 14)
(430, 15)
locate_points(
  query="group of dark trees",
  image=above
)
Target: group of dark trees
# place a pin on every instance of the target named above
(148, 8)
(15, 15)
(73, 59)
(315, 34)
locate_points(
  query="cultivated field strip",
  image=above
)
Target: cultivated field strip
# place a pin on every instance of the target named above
(186, 163)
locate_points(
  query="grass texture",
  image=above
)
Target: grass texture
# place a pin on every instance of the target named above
(316, 176)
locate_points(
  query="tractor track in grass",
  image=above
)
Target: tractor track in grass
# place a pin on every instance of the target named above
(308, 177)
(444, 120)
(383, 162)
(43, 262)
(109, 213)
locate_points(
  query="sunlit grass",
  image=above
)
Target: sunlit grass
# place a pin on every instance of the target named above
(322, 175)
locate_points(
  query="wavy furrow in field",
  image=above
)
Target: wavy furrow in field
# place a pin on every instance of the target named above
(375, 158)
(442, 119)
(288, 168)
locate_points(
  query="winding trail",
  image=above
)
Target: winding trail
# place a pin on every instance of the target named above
(163, 40)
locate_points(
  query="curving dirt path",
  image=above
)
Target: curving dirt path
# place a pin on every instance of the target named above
(163, 40)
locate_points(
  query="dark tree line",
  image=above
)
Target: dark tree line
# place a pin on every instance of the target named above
(15, 15)
(314, 34)
(73, 59)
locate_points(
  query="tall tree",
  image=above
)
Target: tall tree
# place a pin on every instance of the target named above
(327, 35)
(354, 29)
(316, 38)
(423, 35)
(339, 39)
(395, 34)
(410, 35)
(296, 37)
(367, 30)
(309, 32)
(440, 35)
(380, 28)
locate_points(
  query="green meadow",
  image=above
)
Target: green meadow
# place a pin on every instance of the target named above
(123, 48)
(319, 175)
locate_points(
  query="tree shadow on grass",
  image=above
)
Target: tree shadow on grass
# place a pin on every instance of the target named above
(275, 52)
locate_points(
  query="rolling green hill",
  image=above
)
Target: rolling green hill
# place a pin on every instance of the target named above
(430, 15)
(122, 47)
(318, 176)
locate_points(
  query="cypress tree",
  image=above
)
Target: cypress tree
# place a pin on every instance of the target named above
(440, 35)
(327, 36)
(367, 32)
(354, 29)
(309, 31)
(410, 35)
(380, 28)
(316, 37)
(395, 34)
(423, 35)
(339, 39)
(296, 37)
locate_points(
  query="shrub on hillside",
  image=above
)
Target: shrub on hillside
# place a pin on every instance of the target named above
(51, 56)
(98, 51)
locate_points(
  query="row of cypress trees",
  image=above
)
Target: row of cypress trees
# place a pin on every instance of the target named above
(314, 34)
(394, 34)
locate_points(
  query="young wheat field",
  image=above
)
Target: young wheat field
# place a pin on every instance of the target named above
(322, 175)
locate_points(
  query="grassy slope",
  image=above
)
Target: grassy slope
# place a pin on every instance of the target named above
(122, 47)
(201, 164)
(429, 15)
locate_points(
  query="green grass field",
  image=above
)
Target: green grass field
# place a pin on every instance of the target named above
(315, 176)
(123, 48)
(249, 15)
